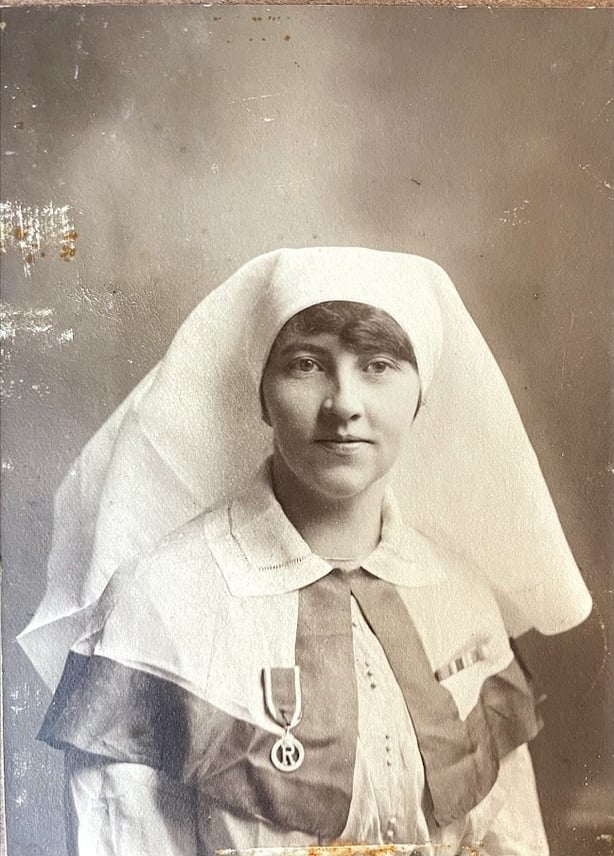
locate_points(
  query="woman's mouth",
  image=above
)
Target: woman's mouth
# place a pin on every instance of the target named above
(346, 445)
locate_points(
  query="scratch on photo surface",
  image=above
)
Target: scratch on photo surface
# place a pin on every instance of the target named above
(605, 650)
(253, 99)
(67, 335)
(600, 112)
(16, 702)
(517, 215)
(15, 321)
(286, 186)
(35, 230)
(16, 324)
(564, 360)
(606, 188)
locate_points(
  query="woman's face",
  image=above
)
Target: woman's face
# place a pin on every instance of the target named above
(338, 416)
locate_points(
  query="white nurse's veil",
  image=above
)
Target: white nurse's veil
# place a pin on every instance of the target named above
(191, 434)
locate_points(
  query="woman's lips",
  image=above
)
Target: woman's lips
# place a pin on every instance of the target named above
(343, 445)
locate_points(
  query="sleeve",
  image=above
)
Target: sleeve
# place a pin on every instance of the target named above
(133, 689)
(508, 821)
(116, 809)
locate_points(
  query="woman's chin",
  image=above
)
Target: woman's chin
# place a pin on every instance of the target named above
(339, 483)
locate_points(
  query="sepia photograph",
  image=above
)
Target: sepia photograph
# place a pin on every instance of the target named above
(307, 442)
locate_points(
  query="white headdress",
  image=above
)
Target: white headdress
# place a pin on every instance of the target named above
(191, 434)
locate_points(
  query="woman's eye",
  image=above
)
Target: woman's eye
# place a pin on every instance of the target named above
(304, 365)
(379, 366)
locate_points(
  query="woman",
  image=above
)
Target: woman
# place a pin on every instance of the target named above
(312, 659)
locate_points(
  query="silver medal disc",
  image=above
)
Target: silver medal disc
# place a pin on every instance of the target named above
(287, 753)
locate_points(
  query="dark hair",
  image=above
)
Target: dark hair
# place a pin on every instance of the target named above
(360, 327)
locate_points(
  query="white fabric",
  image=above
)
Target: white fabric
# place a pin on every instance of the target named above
(128, 810)
(223, 615)
(116, 810)
(388, 793)
(131, 810)
(191, 433)
(302, 280)
(218, 598)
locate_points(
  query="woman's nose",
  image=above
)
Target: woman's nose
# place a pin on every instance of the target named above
(344, 396)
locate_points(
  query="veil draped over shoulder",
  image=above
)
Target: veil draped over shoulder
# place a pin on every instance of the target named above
(190, 434)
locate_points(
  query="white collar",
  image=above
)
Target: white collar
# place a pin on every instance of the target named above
(260, 553)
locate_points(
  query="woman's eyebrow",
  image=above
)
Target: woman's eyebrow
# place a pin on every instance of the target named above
(303, 345)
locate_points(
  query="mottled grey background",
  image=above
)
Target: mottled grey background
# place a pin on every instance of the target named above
(188, 140)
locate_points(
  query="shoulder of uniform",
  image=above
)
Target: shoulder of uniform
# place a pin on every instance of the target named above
(182, 562)
(427, 550)
(455, 568)
(459, 608)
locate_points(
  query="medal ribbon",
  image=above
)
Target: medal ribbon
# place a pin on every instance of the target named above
(282, 695)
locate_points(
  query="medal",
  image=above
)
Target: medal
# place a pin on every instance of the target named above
(287, 753)
(282, 695)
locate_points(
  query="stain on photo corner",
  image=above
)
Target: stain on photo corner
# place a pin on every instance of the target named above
(37, 230)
